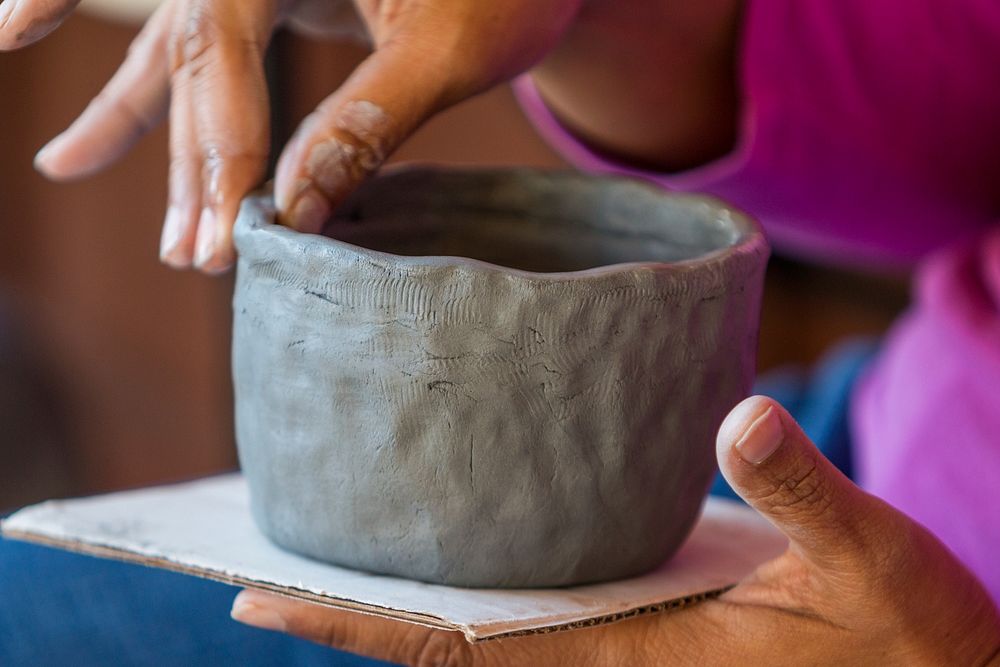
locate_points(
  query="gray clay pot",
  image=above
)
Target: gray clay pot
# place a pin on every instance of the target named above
(403, 410)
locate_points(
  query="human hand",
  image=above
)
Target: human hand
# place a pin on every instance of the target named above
(860, 583)
(202, 61)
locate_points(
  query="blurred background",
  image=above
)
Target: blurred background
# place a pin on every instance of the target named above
(114, 370)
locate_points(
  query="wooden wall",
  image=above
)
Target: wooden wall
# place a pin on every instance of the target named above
(136, 353)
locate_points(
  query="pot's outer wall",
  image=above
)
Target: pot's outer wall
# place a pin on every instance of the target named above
(462, 424)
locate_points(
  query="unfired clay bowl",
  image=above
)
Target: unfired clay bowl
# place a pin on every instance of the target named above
(543, 414)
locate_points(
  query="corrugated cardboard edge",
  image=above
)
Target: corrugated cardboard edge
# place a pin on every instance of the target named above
(472, 635)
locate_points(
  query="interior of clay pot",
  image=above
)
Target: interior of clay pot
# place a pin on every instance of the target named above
(554, 223)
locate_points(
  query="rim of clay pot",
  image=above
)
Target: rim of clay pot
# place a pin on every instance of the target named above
(258, 212)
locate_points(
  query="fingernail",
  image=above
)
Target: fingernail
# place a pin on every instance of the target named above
(259, 617)
(207, 232)
(310, 212)
(171, 235)
(285, 197)
(6, 9)
(43, 154)
(761, 438)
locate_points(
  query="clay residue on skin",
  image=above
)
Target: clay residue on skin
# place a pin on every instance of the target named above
(369, 123)
(332, 167)
(338, 163)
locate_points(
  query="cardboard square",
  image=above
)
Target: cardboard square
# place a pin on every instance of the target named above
(204, 528)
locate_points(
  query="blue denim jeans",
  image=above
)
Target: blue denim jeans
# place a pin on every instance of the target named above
(58, 608)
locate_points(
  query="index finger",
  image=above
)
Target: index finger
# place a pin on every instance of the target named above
(23, 22)
(353, 131)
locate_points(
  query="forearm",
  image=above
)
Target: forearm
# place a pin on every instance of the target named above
(651, 81)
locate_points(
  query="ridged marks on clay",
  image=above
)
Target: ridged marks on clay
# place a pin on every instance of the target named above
(271, 270)
(461, 310)
(386, 294)
(532, 398)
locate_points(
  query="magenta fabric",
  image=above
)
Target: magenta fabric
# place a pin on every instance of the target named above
(870, 137)
(869, 129)
(927, 416)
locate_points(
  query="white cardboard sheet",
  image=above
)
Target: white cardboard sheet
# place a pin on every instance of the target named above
(204, 528)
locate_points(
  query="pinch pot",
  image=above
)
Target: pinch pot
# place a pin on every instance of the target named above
(491, 378)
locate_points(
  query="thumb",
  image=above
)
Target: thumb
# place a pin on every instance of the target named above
(379, 638)
(353, 131)
(773, 466)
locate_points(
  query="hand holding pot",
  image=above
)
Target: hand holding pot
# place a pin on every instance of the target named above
(201, 60)
(859, 584)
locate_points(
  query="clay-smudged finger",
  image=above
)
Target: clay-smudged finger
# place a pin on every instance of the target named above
(132, 103)
(23, 22)
(351, 133)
